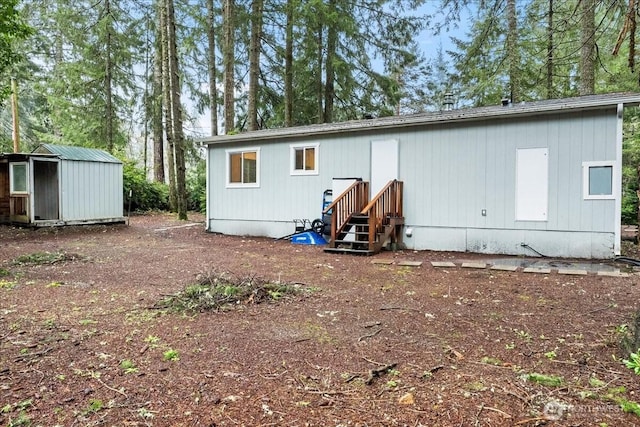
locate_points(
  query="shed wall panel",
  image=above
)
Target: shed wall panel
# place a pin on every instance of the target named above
(4, 191)
(91, 190)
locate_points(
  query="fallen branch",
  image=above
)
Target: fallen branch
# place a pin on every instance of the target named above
(36, 354)
(374, 373)
(477, 423)
(525, 400)
(110, 388)
(597, 310)
(328, 392)
(435, 369)
(450, 351)
(489, 408)
(529, 420)
(399, 308)
(374, 333)
(372, 361)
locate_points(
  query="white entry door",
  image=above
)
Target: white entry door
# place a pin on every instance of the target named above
(384, 163)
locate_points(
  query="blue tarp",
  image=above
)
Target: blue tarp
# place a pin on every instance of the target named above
(308, 238)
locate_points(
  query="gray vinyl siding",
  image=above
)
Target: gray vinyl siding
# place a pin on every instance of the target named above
(90, 191)
(281, 196)
(460, 171)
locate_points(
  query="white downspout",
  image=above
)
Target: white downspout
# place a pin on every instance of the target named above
(207, 189)
(617, 184)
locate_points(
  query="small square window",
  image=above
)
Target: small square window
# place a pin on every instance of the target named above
(598, 180)
(243, 168)
(19, 179)
(304, 159)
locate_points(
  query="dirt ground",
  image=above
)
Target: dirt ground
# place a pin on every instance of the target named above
(370, 341)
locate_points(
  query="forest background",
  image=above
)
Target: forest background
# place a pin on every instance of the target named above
(137, 78)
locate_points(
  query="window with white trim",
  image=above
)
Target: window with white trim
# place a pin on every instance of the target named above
(243, 168)
(597, 180)
(19, 178)
(304, 159)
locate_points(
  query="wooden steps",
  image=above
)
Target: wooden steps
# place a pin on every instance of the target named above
(364, 227)
(355, 237)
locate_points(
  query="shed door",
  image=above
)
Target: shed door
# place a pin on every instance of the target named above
(45, 190)
(384, 163)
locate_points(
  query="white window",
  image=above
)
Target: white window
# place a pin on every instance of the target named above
(532, 184)
(597, 180)
(243, 168)
(304, 159)
(19, 178)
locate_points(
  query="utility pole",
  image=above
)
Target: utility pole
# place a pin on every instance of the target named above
(16, 119)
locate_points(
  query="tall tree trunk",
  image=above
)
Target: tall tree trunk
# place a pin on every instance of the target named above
(629, 26)
(157, 95)
(168, 112)
(329, 88)
(512, 51)
(638, 211)
(213, 91)
(550, 92)
(633, 12)
(588, 48)
(145, 99)
(176, 113)
(319, 86)
(108, 81)
(288, 66)
(254, 63)
(229, 66)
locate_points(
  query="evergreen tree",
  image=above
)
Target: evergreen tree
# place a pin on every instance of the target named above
(13, 29)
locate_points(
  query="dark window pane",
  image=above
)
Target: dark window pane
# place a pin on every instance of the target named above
(299, 159)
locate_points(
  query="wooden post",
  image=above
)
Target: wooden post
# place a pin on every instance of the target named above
(16, 119)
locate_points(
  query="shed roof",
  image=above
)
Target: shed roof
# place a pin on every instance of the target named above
(591, 102)
(68, 152)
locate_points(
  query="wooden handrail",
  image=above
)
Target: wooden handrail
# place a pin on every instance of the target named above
(387, 203)
(352, 200)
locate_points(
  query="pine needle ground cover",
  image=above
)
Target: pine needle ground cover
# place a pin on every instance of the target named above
(161, 324)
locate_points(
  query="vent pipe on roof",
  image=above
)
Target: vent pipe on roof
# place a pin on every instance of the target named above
(447, 104)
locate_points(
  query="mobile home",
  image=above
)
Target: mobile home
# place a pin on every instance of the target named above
(528, 178)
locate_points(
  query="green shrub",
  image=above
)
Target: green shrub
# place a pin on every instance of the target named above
(145, 195)
(196, 187)
(629, 195)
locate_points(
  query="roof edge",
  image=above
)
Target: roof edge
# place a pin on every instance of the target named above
(533, 108)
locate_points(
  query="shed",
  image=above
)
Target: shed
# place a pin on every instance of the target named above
(523, 179)
(61, 185)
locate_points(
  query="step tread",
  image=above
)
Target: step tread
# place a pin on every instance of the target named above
(350, 251)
